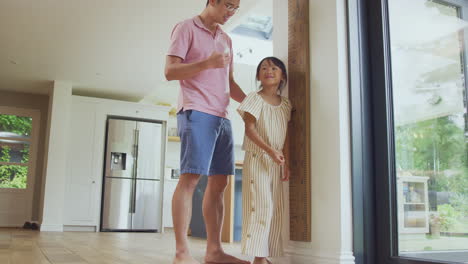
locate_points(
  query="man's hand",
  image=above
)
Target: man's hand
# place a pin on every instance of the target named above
(218, 60)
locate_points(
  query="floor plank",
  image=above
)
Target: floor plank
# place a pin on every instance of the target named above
(19, 246)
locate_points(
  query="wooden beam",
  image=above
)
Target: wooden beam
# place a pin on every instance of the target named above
(299, 129)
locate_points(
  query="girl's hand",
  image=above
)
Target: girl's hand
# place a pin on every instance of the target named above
(277, 156)
(286, 173)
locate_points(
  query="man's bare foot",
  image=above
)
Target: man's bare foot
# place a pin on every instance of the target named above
(258, 260)
(184, 259)
(223, 258)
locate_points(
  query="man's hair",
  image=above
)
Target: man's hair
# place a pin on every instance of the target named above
(208, 2)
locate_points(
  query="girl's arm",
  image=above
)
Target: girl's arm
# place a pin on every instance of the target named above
(252, 134)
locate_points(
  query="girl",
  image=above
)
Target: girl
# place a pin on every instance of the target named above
(266, 115)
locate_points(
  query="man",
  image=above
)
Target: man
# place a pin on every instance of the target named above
(200, 57)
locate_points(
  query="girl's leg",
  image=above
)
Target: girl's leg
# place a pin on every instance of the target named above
(258, 208)
(246, 202)
(275, 237)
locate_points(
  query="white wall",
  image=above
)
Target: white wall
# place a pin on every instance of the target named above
(245, 76)
(330, 142)
(59, 113)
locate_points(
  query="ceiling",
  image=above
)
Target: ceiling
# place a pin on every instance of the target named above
(107, 48)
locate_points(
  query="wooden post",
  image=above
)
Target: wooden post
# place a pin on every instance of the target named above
(299, 130)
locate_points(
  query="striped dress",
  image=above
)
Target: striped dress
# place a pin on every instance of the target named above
(262, 197)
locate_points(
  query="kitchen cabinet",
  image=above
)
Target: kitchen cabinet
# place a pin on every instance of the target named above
(85, 159)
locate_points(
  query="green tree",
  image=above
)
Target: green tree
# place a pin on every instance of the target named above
(448, 216)
(433, 148)
(14, 176)
(5, 170)
(16, 124)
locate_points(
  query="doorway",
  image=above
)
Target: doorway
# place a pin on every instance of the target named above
(19, 130)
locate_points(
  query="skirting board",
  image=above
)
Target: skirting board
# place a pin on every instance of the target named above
(305, 254)
(51, 228)
(344, 258)
(12, 225)
(68, 228)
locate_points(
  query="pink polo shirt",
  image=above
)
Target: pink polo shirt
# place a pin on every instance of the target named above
(208, 91)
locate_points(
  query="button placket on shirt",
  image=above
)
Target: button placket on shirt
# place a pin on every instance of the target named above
(252, 189)
(252, 192)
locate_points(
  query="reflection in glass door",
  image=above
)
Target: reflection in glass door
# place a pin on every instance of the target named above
(430, 127)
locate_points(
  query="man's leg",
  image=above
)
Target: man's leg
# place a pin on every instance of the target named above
(213, 211)
(213, 214)
(181, 214)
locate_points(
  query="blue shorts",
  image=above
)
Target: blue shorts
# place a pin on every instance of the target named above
(207, 145)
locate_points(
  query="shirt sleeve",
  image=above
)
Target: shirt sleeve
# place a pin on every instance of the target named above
(250, 105)
(180, 41)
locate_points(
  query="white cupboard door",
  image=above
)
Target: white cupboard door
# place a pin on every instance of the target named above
(81, 184)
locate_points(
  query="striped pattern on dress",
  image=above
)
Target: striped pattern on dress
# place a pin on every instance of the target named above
(262, 197)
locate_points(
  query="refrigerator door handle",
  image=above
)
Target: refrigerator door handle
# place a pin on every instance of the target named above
(135, 171)
(137, 140)
(132, 194)
(135, 143)
(135, 155)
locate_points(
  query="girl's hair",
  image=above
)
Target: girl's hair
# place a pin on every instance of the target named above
(278, 63)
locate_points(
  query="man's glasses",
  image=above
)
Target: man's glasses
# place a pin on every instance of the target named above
(231, 8)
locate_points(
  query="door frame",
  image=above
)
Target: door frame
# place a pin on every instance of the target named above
(363, 204)
(31, 180)
(374, 189)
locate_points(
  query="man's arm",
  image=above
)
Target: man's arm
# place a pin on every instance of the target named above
(177, 70)
(236, 92)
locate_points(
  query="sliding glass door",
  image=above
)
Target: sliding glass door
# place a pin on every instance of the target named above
(427, 54)
(413, 71)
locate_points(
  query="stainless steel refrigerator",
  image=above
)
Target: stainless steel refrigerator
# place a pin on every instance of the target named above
(132, 195)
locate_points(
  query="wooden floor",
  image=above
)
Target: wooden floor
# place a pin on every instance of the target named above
(18, 246)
